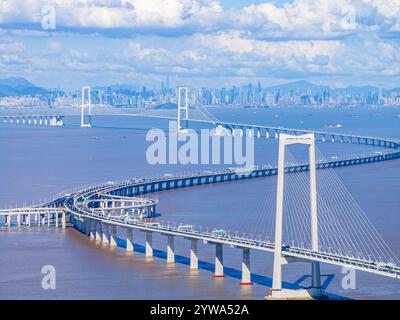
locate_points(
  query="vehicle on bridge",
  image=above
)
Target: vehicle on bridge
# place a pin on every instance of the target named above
(220, 232)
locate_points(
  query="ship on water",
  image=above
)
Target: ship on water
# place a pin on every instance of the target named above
(336, 126)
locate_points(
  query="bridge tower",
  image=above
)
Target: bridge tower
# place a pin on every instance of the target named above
(86, 102)
(182, 90)
(315, 290)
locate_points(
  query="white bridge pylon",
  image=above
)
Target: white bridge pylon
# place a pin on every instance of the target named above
(182, 90)
(315, 291)
(86, 102)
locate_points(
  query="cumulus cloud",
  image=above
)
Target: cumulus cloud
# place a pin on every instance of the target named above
(294, 19)
(299, 38)
(136, 14)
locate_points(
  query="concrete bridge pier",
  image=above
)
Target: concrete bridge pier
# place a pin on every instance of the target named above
(56, 219)
(316, 275)
(170, 249)
(194, 257)
(28, 220)
(219, 264)
(246, 274)
(48, 219)
(63, 221)
(113, 236)
(92, 231)
(98, 231)
(106, 235)
(37, 219)
(129, 239)
(149, 244)
(9, 220)
(88, 227)
(19, 219)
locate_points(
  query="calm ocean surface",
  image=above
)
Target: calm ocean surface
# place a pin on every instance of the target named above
(38, 162)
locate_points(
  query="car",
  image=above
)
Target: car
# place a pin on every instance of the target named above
(186, 228)
(220, 232)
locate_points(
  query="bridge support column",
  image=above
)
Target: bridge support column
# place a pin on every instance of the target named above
(219, 264)
(93, 227)
(170, 250)
(19, 219)
(194, 260)
(113, 236)
(38, 219)
(9, 220)
(106, 235)
(63, 220)
(48, 219)
(88, 226)
(316, 275)
(129, 239)
(98, 231)
(149, 244)
(56, 218)
(246, 274)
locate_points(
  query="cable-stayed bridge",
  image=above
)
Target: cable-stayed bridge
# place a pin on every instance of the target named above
(311, 218)
(345, 236)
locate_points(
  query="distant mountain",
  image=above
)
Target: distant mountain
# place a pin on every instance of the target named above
(303, 87)
(116, 87)
(365, 90)
(16, 82)
(17, 86)
(397, 90)
(297, 87)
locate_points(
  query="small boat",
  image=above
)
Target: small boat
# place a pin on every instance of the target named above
(221, 131)
(336, 126)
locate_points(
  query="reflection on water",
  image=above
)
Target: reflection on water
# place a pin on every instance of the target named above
(37, 162)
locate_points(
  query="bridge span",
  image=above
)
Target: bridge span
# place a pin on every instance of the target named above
(41, 120)
(98, 211)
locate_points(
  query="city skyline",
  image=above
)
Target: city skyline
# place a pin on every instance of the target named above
(19, 92)
(201, 43)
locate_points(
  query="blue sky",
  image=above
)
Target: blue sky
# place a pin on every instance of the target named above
(201, 42)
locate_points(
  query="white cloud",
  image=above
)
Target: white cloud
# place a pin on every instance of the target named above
(294, 19)
(300, 38)
(115, 13)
